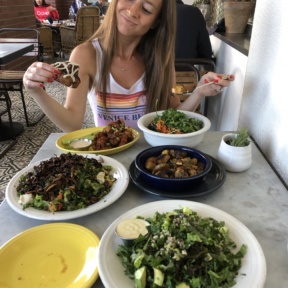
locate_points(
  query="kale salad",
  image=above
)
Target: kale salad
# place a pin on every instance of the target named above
(182, 249)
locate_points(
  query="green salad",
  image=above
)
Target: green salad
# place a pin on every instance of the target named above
(175, 122)
(65, 183)
(182, 249)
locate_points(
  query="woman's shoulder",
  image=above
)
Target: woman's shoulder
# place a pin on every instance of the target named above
(85, 47)
(84, 53)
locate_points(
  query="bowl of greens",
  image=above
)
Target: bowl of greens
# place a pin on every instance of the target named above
(174, 127)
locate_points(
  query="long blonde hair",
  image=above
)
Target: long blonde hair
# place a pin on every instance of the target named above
(157, 48)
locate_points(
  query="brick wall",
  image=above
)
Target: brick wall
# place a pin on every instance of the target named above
(20, 13)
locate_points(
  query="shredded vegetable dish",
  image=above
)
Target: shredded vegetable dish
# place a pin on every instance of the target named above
(175, 122)
(65, 183)
(182, 249)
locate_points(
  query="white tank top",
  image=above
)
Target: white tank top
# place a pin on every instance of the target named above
(128, 104)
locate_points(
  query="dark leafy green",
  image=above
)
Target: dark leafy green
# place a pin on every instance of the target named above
(186, 248)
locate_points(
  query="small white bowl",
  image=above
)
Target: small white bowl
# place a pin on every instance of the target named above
(81, 144)
(187, 139)
(130, 229)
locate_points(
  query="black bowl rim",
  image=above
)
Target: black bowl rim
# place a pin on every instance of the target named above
(179, 147)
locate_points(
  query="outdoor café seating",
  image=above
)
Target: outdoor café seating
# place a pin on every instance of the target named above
(87, 22)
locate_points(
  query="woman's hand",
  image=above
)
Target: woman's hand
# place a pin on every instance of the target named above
(38, 74)
(212, 83)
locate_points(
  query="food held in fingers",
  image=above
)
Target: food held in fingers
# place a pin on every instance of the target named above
(68, 75)
(178, 89)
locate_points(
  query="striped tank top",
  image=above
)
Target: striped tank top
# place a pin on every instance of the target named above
(128, 104)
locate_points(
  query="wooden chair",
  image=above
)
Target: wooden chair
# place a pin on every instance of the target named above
(45, 38)
(188, 73)
(87, 22)
(12, 80)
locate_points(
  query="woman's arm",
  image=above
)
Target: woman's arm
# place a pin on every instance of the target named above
(70, 116)
(54, 13)
(193, 101)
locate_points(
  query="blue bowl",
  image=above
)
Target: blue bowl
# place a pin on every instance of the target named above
(172, 183)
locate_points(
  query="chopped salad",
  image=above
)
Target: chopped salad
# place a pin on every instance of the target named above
(175, 122)
(65, 183)
(182, 249)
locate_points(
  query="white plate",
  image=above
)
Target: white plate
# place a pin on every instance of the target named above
(119, 172)
(253, 265)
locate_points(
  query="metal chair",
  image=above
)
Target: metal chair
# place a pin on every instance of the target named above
(87, 22)
(12, 80)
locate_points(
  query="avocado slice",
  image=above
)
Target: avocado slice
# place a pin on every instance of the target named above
(158, 277)
(140, 277)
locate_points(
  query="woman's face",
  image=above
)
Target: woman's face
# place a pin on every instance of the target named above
(39, 2)
(136, 17)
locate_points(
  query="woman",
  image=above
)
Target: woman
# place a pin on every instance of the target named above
(126, 69)
(44, 11)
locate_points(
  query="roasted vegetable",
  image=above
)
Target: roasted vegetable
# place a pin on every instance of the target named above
(115, 134)
(174, 164)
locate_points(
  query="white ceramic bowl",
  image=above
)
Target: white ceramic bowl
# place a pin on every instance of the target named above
(188, 139)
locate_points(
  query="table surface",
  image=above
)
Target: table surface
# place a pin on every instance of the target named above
(11, 51)
(256, 197)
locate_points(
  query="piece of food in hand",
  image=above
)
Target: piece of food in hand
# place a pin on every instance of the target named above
(178, 89)
(68, 73)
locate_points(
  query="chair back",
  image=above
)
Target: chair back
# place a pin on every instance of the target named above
(188, 72)
(24, 35)
(46, 40)
(68, 39)
(87, 22)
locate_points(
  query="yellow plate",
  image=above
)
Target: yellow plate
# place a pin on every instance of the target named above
(50, 256)
(84, 132)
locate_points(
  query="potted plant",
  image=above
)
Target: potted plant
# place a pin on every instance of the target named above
(236, 14)
(235, 151)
